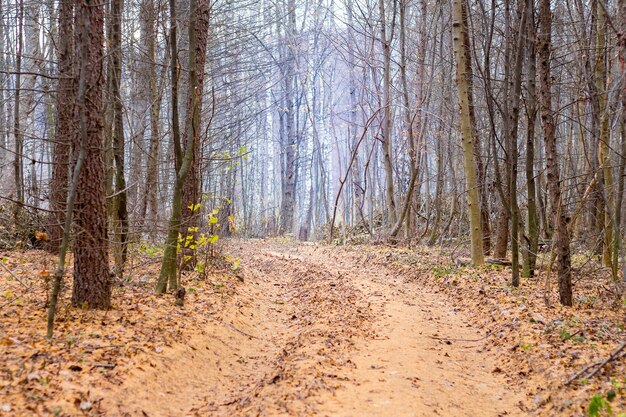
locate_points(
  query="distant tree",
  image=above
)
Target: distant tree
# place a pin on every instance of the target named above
(18, 134)
(387, 127)
(290, 137)
(621, 178)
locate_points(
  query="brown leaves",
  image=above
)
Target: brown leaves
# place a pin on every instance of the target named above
(41, 236)
(537, 346)
(91, 348)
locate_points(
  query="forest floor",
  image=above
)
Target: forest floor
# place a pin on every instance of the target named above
(313, 330)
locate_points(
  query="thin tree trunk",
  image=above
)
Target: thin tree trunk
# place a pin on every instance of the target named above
(288, 203)
(513, 115)
(621, 178)
(532, 243)
(604, 150)
(408, 123)
(18, 167)
(150, 200)
(66, 96)
(168, 274)
(460, 38)
(191, 136)
(387, 117)
(120, 212)
(69, 211)
(559, 215)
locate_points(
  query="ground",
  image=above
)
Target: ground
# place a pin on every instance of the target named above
(309, 330)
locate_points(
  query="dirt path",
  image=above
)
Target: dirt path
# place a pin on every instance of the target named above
(316, 331)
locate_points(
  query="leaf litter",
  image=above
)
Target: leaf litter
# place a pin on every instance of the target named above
(314, 330)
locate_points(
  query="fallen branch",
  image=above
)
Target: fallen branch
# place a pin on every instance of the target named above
(451, 339)
(13, 275)
(103, 365)
(598, 365)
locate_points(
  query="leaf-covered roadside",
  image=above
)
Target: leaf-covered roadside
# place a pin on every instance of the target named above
(90, 349)
(539, 348)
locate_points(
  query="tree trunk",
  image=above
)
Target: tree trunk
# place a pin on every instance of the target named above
(120, 211)
(604, 156)
(619, 241)
(191, 136)
(559, 215)
(513, 119)
(532, 243)
(149, 210)
(288, 203)
(65, 130)
(168, 274)
(460, 38)
(92, 282)
(18, 167)
(387, 117)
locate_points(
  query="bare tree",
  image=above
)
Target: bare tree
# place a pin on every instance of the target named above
(459, 9)
(559, 212)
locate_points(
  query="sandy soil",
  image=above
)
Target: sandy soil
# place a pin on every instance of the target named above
(316, 331)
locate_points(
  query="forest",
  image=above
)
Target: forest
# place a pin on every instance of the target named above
(313, 207)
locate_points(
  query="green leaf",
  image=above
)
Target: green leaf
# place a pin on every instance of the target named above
(610, 396)
(595, 405)
(213, 239)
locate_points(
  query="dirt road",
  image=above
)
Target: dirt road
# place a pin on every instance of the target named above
(318, 331)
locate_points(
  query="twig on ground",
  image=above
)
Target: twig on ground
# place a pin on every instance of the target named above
(103, 365)
(13, 275)
(598, 365)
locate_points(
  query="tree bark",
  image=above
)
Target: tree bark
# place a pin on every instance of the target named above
(65, 129)
(604, 156)
(191, 136)
(387, 117)
(92, 281)
(168, 274)
(288, 203)
(460, 39)
(120, 212)
(532, 243)
(559, 215)
(513, 120)
(619, 240)
(18, 166)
